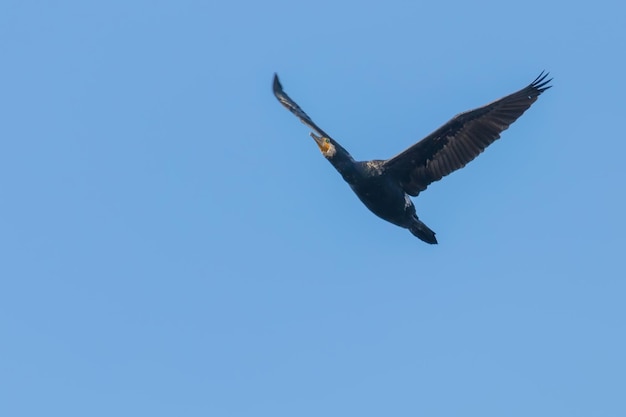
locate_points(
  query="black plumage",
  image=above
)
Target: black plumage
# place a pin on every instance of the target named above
(384, 186)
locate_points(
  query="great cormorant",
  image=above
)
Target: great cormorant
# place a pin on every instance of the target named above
(385, 186)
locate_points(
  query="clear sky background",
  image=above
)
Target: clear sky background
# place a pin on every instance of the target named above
(172, 243)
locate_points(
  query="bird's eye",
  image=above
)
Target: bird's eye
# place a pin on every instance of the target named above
(327, 140)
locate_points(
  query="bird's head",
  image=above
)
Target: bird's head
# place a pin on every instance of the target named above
(325, 144)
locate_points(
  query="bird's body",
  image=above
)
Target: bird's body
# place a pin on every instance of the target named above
(385, 186)
(385, 197)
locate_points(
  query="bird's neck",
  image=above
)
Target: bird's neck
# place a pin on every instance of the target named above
(344, 163)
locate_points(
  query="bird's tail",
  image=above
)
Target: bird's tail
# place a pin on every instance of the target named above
(420, 230)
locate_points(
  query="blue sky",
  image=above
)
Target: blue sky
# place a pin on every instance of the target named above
(173, 243)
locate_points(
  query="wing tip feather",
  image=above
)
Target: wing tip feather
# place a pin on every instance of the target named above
(540, 84)
(277, 87)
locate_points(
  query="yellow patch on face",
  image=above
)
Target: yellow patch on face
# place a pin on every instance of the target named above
(328, 149)
(325, 146)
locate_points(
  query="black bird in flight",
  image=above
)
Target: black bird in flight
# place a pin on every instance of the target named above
(385, 186)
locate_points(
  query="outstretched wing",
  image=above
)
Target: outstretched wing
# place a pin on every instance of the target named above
(293, 107)
(460, 140)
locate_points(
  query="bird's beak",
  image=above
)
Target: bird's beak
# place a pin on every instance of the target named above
(322, 143)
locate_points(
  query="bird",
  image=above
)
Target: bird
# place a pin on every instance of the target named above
(386, 186)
